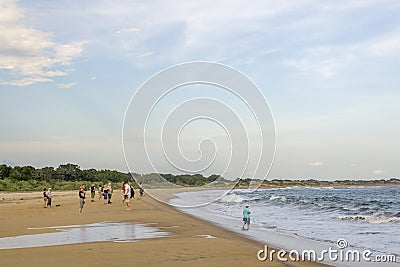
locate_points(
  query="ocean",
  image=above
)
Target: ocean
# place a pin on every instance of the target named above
(366, 218)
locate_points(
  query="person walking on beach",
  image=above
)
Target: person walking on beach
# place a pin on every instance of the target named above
(110, 191)
(49, 197)
(44, 198)
(82, 194)
(141, 190)
(105, 194)
(100, 191)
(123, 192)
(92, 192)
(246, 217)
(127, 194)
(132, 196)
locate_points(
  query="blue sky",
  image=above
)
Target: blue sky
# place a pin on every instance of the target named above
(329, 70)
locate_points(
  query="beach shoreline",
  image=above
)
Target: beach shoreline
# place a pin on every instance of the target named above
(187, 243)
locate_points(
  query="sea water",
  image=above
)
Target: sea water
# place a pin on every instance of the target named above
(366, 217)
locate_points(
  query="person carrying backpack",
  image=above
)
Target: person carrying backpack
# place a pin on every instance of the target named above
(127, 194)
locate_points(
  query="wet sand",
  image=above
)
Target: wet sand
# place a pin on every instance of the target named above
(184, 246)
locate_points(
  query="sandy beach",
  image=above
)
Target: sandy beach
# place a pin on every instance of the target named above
(185, 245)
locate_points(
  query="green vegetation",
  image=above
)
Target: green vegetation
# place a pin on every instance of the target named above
(65, 177)
(71, 177)
(189, 180)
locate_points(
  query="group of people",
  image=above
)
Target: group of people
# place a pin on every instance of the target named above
(106, 192)
(128, 193)
(47, 196)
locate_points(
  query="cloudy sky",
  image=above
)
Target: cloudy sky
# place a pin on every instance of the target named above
(330, 71)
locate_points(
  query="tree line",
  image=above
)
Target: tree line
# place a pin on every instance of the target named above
(71, 176)
(64, 172)
(64, 177)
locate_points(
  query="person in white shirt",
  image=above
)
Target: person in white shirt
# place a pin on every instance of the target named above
(127, 193)
(49, 197)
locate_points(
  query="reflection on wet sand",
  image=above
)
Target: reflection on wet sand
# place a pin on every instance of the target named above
(86, 233)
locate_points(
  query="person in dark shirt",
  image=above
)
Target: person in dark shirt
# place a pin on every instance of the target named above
(82, 194)
(44, 198)
(92, 192)
(110, 192)
(105, 193)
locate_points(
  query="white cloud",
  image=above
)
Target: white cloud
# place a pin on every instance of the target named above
(144, 55)
(324, 66)
(377, 172)
(316, 164)
(232, 30)
(66, 53)
(190, 25)
(26, 81)
(28, 55)
(328, 60)
(128, 30)
(65, 85)
(386, 45)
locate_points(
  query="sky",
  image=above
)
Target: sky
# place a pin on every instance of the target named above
(329, 70)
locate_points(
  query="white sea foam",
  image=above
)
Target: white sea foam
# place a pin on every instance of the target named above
(352, 209)
(277, 198)
(232, 198)
(369, 218)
